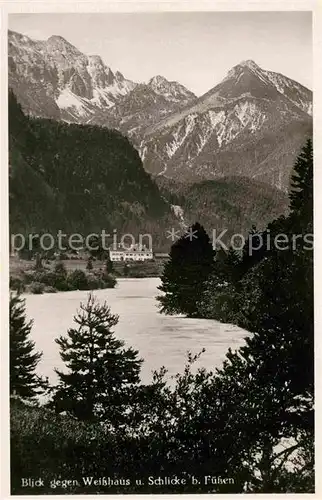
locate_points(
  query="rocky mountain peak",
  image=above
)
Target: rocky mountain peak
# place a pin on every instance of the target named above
(170, 90)
(248, 67)
(157, 80)
(227, 129)
(60, 43)
(119, 76)
(95, 59)
(74, 85)
(249, 63)
(15, 37)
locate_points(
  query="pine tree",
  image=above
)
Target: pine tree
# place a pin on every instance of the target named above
(301, 196)
(219, 299)
(24, 381)
(191, 261)
(101, 371)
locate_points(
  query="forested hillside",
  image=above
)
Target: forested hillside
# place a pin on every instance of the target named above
(231, 204)
(80, 179)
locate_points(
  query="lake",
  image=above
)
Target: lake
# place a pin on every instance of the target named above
(161, 340)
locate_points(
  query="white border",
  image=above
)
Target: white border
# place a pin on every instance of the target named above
(53, 6)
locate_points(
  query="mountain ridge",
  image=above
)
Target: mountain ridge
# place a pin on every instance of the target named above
(250, 110)
(76, 85)
(252, 123)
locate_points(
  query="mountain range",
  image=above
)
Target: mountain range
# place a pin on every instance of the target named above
(53, 79)
(252, 124)
(85, 178)
(223, 158)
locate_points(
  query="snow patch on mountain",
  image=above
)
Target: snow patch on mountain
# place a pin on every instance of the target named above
(203, 138)
(68, 99)
(248, 114)
(295, 92)
(101, 98)
(180, 135)
(216, 117)
(120, 88)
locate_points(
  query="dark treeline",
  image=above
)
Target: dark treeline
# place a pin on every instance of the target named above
(251, 420)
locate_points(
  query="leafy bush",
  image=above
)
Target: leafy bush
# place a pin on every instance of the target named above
(109, 281)
(60, 269)
(94, 282)
(29, 276)
(37, 288)
(50, 289)
(52, 446)
(39, 276)
(78, 280)
(55, 280)
(104, 279)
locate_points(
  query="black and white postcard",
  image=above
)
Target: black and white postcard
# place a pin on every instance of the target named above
(160, 284)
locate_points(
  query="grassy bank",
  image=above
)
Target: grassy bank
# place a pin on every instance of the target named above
(57, 276)
(73, 274)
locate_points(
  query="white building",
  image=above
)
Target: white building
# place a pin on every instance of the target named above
(134, 253)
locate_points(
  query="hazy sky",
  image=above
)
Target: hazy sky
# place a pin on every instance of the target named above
(196, 49)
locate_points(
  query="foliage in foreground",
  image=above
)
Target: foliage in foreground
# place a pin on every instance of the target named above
(197, 427)
(102, 373)
(24, 381)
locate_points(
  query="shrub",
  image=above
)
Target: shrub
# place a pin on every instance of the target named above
(78, 280)
(55, 280)
(29, 276)
(60, 269)
(53, 446)
(94, 282)
(37, 288)
(46, 278)
(50, 289)
(108, 281)
(39, 276)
